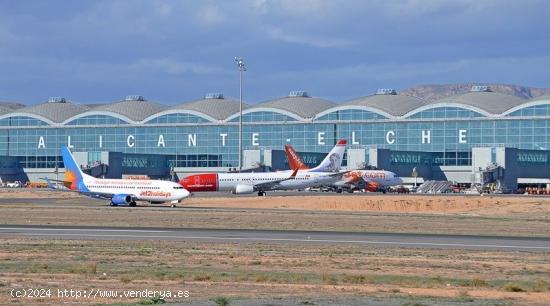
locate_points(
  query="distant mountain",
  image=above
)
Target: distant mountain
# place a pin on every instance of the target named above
(435, 92)
(12, 105)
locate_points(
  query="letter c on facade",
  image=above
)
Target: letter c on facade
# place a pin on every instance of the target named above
(390, 137)
(130, 141)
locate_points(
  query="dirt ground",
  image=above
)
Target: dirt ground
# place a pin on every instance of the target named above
(474, 215)
(230, 270)
(293, 274)
(474, 205)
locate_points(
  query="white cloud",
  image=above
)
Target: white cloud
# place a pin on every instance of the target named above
(261, 6)
(349, 81)
(371, 42)
(210, 15)
(413, 9)
(307, 7)
(174, 67)
(396, 72)
(163, 9)
(296, 8)
(319, 42)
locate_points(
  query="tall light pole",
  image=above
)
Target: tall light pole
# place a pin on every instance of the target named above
(242, 68)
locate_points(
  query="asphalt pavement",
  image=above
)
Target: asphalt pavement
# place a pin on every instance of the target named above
(273, 236)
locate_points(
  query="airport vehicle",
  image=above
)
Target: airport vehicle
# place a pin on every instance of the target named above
(119, 191)
(370, 180)
(245, 183)
(401, 189)
(16, 184)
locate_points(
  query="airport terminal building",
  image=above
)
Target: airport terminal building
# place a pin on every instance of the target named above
(458, 138)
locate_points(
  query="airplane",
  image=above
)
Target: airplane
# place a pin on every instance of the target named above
(245, 183)
(119, 191)
(371, 180)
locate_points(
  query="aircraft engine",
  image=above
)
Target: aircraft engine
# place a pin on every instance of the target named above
(243, 189)
(121, 199)
(372, 186)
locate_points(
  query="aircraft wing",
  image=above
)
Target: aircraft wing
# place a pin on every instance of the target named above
(270, 185)
(94, 195)
(98, 195)
(339, 174)
(64, 188)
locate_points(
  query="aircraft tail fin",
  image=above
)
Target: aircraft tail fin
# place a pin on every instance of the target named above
(333, 160)
(73, 173)
(294, 160)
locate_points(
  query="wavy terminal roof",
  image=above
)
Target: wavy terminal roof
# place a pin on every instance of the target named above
(216, 108)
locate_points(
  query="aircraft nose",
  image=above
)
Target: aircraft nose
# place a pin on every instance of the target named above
(186, 193)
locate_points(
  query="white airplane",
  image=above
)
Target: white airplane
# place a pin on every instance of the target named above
(245, 183)
(371, 180)
(119, 191)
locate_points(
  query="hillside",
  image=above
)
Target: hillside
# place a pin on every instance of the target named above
(12, 105)
(434, 92)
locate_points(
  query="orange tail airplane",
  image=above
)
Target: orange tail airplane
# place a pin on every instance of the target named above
(294, 160)
(371, 180)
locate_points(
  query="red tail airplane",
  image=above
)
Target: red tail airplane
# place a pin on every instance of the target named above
(372, 179)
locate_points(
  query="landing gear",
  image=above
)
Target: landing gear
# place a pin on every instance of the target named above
(261, 193)
(173, 205)
(112, 204)
(132, 204)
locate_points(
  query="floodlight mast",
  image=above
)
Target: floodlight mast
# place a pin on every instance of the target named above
(242, 68)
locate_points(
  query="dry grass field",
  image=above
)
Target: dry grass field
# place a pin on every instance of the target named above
(281, 274)
(472, 205)
(233, 271)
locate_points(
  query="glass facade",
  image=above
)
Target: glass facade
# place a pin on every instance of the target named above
(21, 121)
(431, 158)
(351, 115)
(532, 111)
(445, 112)
(97, 120)
(176, 118)
(529, 157)
(208, 144)
(263, 117)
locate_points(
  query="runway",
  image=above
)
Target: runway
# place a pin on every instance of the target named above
(270, 236)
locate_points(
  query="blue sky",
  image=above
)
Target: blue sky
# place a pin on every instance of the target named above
(176, 51)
